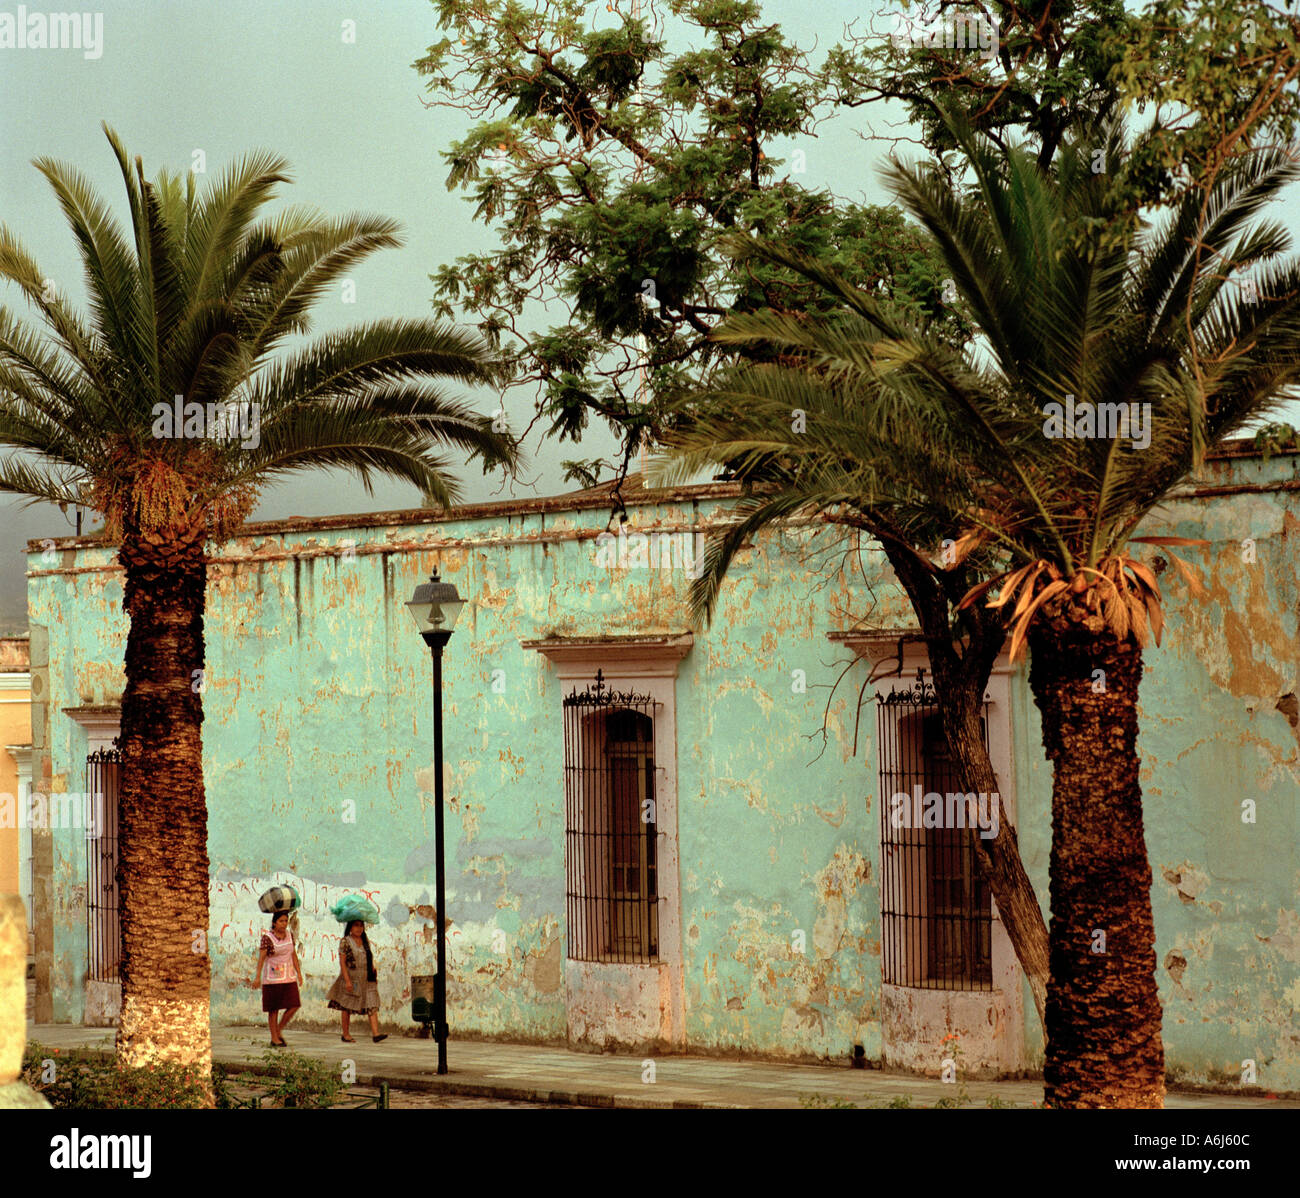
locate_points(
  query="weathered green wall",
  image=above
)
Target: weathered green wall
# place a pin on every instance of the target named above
(1219, 727)
(318, 696)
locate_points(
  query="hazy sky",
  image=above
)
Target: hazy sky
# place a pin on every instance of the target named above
(174, 78)
(178, 77)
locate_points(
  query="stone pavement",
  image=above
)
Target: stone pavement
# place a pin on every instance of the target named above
(528, 1073)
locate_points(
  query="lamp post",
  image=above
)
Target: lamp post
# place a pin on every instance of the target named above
(435, 607)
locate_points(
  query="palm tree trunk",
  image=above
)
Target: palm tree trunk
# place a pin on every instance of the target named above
(163, 870)
(1103, 1010)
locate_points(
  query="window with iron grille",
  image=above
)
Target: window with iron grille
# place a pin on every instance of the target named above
(611, 849)
(936, 911)
(103, 928)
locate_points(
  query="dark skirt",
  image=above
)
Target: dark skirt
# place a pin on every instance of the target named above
(280, 996)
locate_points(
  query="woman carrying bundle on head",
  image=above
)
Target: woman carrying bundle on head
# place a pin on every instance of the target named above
(356, 989)
(278, 972)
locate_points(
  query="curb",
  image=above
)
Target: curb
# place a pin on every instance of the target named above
(548, 1097)
(467, 1089)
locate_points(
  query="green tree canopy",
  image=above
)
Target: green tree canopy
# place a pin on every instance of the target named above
(610, 162)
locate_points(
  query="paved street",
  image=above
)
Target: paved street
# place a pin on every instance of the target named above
(530, 1075)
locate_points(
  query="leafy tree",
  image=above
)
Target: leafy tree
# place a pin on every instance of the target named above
(605, 161)
(610, 165)
(1011, 71)
(193, 306)
(1217, 83)
(1080, 305)
(1206, 85)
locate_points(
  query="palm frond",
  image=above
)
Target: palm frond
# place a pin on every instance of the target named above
(112, 278)
(187, 307)
(1086, 310)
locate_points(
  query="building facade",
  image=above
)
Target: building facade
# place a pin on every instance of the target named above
(671, 837)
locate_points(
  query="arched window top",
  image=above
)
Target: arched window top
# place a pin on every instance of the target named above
(625, 726)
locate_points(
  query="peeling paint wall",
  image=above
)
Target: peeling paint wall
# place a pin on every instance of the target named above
(1221, 780)
(1214, 733)
(318, 766)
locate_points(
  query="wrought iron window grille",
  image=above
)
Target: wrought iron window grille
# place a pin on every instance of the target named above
(103, 924)
(611, 848)
(936, 910)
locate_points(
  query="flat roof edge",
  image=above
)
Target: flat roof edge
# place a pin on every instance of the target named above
(577, 501)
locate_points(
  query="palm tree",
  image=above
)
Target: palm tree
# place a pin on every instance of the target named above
(164, 409)
(1079, 303)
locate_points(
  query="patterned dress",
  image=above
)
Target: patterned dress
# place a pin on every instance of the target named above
(364, 998)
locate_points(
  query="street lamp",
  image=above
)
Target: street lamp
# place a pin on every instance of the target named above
(435, 607)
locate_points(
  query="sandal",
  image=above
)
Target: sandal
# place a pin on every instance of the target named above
(347, 1039)
(279, 1044)
(376, 1039)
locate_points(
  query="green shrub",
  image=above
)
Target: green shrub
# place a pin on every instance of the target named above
(221, 1095)
(297, 1081)
(79, 1083)
(953, 1102)
(1277, 438)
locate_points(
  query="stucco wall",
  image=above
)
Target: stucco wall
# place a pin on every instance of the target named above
(1219, 728)
(1214, 731)
(318, 747)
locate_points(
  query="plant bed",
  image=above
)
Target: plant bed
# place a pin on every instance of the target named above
(291, 1081)
(88, 1080)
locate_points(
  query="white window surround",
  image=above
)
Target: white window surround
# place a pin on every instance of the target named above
(102, 725)
(913, 1021)
(634, 1004)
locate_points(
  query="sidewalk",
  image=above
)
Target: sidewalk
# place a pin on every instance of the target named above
(555, 1075)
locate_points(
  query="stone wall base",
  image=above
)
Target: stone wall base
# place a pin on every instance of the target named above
(103, 1004)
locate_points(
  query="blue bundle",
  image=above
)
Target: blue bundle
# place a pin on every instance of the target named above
(355, 906)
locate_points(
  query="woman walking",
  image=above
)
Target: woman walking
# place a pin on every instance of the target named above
(356, 989)
(279, 971)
